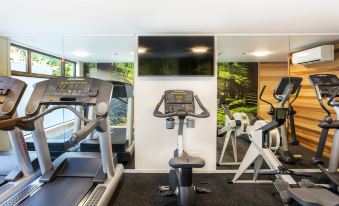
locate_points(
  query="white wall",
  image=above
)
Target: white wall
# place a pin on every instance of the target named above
(154, 144)
(4, 71)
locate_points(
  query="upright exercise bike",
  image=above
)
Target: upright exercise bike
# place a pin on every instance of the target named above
(180, 103)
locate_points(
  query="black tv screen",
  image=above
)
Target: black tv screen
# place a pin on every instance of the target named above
(176, 55)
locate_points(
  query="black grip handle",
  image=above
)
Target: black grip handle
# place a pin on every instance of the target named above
(203, 114)
(85, 131)
(157, 113)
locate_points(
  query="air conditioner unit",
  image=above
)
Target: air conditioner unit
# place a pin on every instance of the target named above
(314, 55)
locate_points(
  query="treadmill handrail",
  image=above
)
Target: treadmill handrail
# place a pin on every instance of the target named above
(47, 111)
(86, 130)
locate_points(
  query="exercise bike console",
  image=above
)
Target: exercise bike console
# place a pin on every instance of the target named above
(180, 103)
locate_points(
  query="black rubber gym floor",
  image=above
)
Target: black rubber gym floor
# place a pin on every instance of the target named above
(142, 189)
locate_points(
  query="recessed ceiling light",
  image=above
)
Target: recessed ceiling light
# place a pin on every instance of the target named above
(81, 53)
(142, 50)
(199, 49)
(261, 53)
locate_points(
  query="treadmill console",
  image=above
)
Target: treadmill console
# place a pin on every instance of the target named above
(69, 91)
(11, 91)
(179, 101)
(326, 83)
(295, 81)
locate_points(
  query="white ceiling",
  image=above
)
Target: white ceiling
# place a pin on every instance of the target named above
(120, 48)
(239, 49)
(175, 16)
(104, 49)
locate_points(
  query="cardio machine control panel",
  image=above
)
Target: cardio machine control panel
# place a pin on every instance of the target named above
(327, 84)
(295, 81)
(179, 101)
(69, 91)
(11, 91)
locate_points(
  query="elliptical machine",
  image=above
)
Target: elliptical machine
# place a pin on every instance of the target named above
(326, 87)
(180, 103)
(283, 153)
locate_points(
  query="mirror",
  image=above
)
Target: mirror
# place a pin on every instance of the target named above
(245, 64)
(309, 113)
(109, 58)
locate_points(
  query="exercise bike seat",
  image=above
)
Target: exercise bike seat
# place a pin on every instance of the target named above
(314, 196)
(186, 161)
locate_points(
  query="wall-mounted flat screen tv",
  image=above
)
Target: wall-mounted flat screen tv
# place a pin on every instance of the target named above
(176, 56)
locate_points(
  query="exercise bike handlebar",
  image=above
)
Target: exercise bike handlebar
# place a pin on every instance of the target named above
(203, 114)
(260, 96)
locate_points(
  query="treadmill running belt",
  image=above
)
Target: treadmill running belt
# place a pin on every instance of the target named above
(60, 192)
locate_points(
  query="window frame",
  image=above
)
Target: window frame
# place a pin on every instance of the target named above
(29, 73)
(27, 56)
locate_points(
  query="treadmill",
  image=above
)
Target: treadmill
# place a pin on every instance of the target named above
(17, 168)
(121, 136)
(74, 178)
(60, 141)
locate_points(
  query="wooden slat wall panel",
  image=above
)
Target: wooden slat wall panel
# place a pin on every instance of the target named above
(308, 110)
(269, 75)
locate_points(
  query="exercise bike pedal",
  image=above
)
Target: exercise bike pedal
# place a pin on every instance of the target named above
(166, 191)
(201, 190)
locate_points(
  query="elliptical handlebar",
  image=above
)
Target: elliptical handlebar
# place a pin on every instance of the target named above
(260, 97)
(296, 95)
(318, 94)
(227, 111)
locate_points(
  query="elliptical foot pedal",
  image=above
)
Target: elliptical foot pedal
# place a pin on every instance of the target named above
(305, 183)
(166, 191)
(201, 190)
(282, 187)
(294, 142)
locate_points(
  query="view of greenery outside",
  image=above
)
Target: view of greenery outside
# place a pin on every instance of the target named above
(18, 58)
(41, 62)
(237, 88)
(69, 68)
(119, 71)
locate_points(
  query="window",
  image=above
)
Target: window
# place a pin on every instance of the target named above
(18, 58)
(44, 64)
(29, 62)
(69, 68)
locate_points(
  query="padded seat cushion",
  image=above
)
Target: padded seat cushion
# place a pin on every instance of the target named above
(186, 162)
(314, 196)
